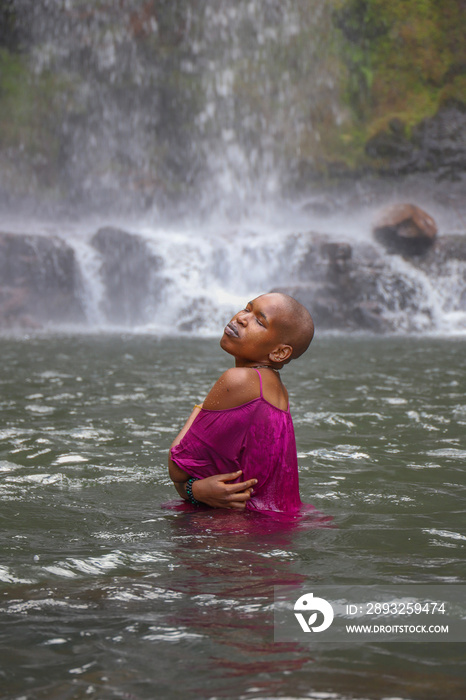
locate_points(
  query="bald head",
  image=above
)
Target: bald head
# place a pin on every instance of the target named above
(295, 321)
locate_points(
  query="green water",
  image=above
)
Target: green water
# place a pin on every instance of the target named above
(106, 594)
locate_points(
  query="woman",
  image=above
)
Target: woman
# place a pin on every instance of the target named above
(244, 426)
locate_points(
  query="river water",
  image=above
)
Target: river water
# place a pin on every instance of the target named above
(106, 593)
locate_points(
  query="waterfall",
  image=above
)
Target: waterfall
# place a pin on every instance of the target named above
(152, 279)
(137, 105)
(145, 113)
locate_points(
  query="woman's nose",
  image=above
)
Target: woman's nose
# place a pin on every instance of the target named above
(242, 317)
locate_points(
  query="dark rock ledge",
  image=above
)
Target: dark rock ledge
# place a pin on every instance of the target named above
(40, 282)
(347, 286)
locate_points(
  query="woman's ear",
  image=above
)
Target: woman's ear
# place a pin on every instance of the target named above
(281, 354)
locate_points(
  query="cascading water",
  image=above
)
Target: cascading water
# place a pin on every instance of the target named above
(190, 281)
(140, 105)
(427, 302)
(147, 105)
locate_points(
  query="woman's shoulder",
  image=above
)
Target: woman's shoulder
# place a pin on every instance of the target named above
(236, 386)
(239, 375)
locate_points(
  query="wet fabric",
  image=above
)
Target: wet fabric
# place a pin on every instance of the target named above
(256, 437)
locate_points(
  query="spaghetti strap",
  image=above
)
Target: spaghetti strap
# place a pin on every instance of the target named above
(260, 380)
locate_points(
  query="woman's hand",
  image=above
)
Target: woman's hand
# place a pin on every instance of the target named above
(216, 492)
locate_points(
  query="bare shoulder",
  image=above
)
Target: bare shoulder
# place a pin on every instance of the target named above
(236, 376)
(236, 386)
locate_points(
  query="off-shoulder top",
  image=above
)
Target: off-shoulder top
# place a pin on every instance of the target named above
(256, 437)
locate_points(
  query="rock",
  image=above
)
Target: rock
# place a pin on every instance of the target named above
(449, 247)
(356, 287)
(405, 229)
(436, 144)
(338, 256)
(441, 140)
(129, 272)
(389, 145)
(443, 263)
(336, 312)
(338, 282)
(40, 282)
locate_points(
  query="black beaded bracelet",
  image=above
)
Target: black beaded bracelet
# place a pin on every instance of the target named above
(189, 491)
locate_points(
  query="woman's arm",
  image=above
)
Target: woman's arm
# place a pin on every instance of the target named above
(215, 491)
(176, 474)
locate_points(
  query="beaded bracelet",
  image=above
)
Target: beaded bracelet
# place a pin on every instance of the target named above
(189, 491)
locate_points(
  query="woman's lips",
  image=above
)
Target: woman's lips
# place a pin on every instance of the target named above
(231, 330)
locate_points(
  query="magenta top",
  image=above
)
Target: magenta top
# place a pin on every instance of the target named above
(256, 437)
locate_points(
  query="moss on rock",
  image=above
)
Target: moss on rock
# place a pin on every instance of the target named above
(403, 61)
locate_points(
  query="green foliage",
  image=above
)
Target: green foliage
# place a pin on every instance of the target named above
(403, 59)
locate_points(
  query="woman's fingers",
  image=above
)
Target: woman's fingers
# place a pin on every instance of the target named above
(230, 476)
(215, 491)
(242, 486)
(236, 505)
(244, 495)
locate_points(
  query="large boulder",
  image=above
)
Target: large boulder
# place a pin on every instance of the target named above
(40, 281)
(405, 229)
(130, 276)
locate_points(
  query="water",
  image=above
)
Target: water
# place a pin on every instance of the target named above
(106, 594)
(156, 104)
(146, 277)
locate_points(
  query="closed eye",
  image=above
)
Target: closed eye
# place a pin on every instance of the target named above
(249, 310)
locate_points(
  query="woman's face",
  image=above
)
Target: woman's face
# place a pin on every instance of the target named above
(255, 331)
